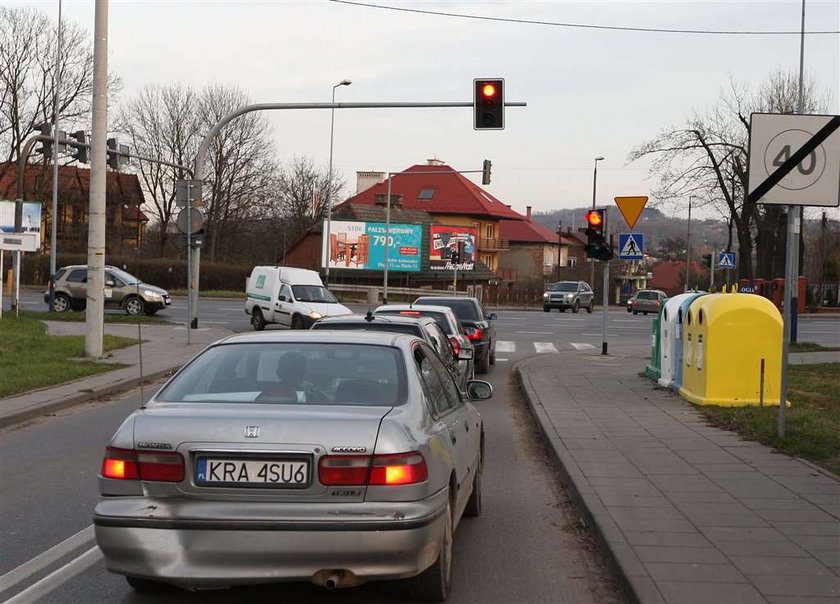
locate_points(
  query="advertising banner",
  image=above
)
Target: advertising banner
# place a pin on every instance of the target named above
(31, 222)
(361, 245)
(444, 240)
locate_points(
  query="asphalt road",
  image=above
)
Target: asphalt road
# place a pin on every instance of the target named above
(527, 546)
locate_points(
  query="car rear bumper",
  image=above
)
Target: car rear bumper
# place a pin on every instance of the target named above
(558, 304)
(387, 540)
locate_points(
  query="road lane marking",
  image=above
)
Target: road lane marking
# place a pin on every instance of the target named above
(41, 561)
(505, 346)
(543, 347)
(502, 360)
(627, 320)
(55, 579)
(216, 322)
(536, 333)
(582, 346)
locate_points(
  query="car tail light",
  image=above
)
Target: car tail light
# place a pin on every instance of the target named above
(362, 470)
(128, 464)
(409, 312)
(657, 304)
(475, 334)
(456, 345)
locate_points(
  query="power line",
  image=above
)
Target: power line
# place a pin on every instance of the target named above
(656, 30)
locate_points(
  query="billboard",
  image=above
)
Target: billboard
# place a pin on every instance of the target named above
(361, 245)
(444, 240)
(31, 222)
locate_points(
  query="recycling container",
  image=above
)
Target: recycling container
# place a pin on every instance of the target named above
(732, 352)
(653, 369)
(671, 340)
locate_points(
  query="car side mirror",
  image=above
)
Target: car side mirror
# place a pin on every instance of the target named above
(281, 298)
(479, 390)
(109, 283)
(465, 354)
(492, 316)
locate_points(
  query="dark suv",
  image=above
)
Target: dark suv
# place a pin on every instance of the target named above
(477, 323)
(122, 290)
(569, 294)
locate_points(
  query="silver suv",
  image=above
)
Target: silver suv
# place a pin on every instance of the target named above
(122, 290)
(569, 294)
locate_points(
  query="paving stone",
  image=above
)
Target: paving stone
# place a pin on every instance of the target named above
(621, 470)
(654, 538)
(800, 600)
(714, 497)
(774, 503)
(662, 526)
(680, 592)
(652, 553)
(811, 585)
(657, 501)
(810, 528)
(643, 513)
(685, 484)
(751, 565)
(695, 572)
(814, 542)
(602, 455)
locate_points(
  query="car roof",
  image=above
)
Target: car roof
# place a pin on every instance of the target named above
(470, 298)
(426, 307)
(322, 336)
(357, 318)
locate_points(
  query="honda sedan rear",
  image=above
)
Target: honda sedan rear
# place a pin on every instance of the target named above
(331, 457)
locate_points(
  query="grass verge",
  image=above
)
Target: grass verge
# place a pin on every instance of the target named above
(30, 359)
(79, 316)
(809, 347)
(812, 422)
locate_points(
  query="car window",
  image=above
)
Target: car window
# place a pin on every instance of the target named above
(432, 384)
(646, 295)
(465, 310)
(286, 291)
(440, 318)
(313, 293)
(78, 276)
(59, 274)
(412, 330)
(453, 396)
(126, 278)
(563, 286)
(324, 373)
(109, 276)
(443, 347)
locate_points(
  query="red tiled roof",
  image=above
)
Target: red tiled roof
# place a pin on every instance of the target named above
(529, 231)
(451, 194)
(670, 276)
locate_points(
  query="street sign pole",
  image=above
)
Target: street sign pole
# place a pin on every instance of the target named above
(712, 269)
(606, 293)
(189, 266)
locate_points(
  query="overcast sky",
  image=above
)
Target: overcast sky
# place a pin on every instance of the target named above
(589, 92)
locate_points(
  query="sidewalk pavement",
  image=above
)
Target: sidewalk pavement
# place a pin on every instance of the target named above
(164, 349)
(687, 513)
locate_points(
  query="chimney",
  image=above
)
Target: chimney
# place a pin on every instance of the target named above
(435, 162)
(528, 212)
(365, 180)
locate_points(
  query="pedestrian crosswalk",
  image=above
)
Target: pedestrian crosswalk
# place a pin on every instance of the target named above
(509, 346)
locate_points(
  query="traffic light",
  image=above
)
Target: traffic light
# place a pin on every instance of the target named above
(82, 155)
(117, 154)
(485, 172)
(489, 104)
(46, 146)
(597, 244)
(707, 260)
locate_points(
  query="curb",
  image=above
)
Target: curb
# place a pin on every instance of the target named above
(625, 566)
(36, 411)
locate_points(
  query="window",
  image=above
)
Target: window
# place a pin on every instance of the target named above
(571, 262)
(426, 194)
(286, 292)
(490, 231)
(78, 276)
(488, 260)
(444, 348)
(432, 385)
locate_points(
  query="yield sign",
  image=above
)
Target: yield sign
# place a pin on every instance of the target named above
(631, 208)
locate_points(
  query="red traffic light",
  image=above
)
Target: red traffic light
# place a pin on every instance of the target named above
(488, 90)
(594, 218)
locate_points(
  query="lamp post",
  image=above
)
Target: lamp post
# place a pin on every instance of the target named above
(326, 235)
(688, 244)
(594, 186)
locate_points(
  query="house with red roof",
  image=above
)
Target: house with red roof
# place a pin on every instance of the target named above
(535, 252)
(125, 221)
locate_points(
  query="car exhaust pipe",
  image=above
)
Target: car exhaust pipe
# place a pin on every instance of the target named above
(334, 580)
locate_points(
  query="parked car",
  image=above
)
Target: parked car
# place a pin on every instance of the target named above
(294, 297)
(477, 323)
(425, 328)
(335, 458)
(122, 290)
(447, 321)
(569, 294)
(646, 300)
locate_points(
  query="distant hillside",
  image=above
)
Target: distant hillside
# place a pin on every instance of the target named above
(655, 226)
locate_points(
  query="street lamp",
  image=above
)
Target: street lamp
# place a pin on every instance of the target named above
(329, 185)
(688, 244)
(594, 185)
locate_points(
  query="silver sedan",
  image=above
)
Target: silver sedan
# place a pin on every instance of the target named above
(331, 457)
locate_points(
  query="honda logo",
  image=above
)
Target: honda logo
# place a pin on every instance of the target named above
(252, 431)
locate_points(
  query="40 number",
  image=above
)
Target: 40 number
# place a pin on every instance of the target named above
(805, 167)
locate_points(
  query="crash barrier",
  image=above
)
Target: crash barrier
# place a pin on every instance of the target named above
(653, 369)
(671, 339)
(732, 351)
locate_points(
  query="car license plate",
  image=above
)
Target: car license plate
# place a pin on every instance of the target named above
(277, 473)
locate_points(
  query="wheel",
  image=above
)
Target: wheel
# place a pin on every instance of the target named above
(61, 303)
(493, 358)
(434, 583)
(628, 309)
(562, 309)
(483, 364)
(473, 508)
(546, 309)
(635, 312)
(257, 320)
(297, 322)
(151, 311)
(591, 307)
(146, 585)
(645, 313)
(576, 307)
(135, 306)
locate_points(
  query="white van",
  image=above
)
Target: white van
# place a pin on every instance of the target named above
(295, 297)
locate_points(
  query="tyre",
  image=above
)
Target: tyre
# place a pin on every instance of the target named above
(297, 322)
(435, 583)
(135, 306)
(635, 312)
(257, 320)
(576, 307)
(629, 309)
(146, 585)
(482, 365)
(546, 309)
(493, 358)
(562, 309)
(473, 508)
(645, 313)
(151, 311)
(61, 303)
(591, 307)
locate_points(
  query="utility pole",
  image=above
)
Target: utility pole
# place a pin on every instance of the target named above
(688, 245)
(594, 186)
(96, 226)
(606, 287)
(54, 207)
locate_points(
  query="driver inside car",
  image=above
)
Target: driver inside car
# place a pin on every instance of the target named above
(292, 386)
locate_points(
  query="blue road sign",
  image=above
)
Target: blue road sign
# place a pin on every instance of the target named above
(726, 260)
(631, 246)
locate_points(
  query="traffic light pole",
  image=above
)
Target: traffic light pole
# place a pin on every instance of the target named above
(606, 296)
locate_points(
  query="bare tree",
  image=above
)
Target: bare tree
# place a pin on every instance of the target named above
(707, 159)
(161, 122)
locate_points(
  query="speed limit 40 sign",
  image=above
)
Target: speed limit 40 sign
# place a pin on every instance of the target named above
(794, 159)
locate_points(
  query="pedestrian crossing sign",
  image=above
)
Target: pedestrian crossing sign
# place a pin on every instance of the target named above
(631, 246)
(726, 260)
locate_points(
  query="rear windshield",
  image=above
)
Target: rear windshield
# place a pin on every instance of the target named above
(439, 317)
(465, 310)
(564, 286)
(412, 330)
(647, 296)
(292, 373)
(313, 293)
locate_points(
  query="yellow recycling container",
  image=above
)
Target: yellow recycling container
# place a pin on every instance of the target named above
(732, 351)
